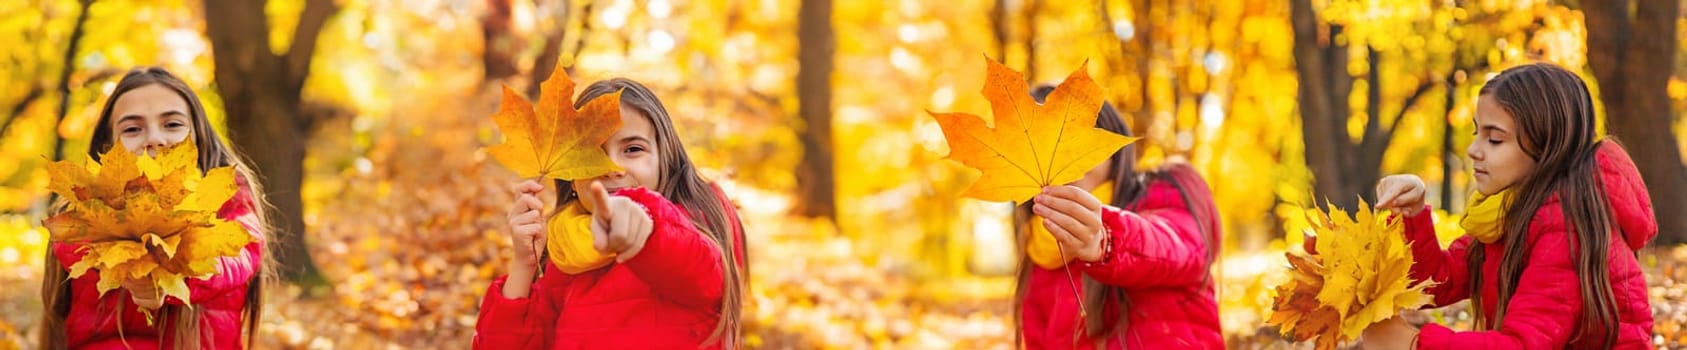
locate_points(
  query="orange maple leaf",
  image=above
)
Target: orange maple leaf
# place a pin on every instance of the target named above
(1295, 309)
(1030, 145)
(556, 140)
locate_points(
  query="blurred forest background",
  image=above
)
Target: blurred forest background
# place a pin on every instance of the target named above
(368, 119)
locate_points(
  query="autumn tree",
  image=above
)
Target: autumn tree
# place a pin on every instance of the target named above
(261, 93)
(1631, 50)
(1408, 50)
(816, 47)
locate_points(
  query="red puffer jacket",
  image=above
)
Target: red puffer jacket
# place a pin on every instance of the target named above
(668, 297)
(93, 319)
(1543, 312)
(1159, 258)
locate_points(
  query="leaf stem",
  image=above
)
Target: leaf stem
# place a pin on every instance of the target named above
(1073, 281)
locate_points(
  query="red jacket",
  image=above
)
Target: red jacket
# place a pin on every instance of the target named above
(667, 297)
(1543, 311)
(1159, 258)
(93, 322)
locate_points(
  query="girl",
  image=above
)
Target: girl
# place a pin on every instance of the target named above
(1549, 259)
(150, 110)
(669, 233)
(1143, 257)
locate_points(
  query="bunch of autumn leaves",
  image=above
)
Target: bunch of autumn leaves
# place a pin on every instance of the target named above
(145, 218)
(1357, 274)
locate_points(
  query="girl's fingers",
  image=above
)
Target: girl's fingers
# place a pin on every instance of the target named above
(1385, 202)
(643, 230)
(600, 236)
(640, 230)
(1051, 223)
(530, 202)
(1075, 210)
(1065, 237)
(1062, 220)
(529, 186)
(619, 226)
(527, 231)
(1385, 194)
(524, 218)
(596, 200)
(1073, 194)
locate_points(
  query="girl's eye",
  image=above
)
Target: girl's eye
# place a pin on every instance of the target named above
(1493, 141)
(175, 125)
(131, 129)
(635, 149)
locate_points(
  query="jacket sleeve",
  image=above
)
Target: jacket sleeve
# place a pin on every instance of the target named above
(1542, 313)
(678, 261)
(1153, 249)
(1447, 267)
(520, 323)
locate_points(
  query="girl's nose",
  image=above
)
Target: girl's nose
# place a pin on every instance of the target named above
(154, 141)
(152, 144)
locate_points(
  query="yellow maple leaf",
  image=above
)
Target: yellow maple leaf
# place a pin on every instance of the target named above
(555, 140)
(1030, 145)
(145, 218)
(1362, 276)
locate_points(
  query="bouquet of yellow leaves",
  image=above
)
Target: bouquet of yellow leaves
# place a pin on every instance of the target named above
(1359, 275)
(145, 218)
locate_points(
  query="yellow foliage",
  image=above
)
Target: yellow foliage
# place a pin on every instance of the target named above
(1358, 276)
(145, 218)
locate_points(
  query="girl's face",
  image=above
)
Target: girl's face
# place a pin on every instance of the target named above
(634, 149)
(150, 118)
(1497, 152)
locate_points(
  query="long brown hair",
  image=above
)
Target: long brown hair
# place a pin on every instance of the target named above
(185, 328)
(1555, 119)
(681, 184)
(1129, 187)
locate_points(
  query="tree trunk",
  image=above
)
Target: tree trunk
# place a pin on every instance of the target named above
(1031, 9)
(1343, 171)
(1449, 152)
(999, 26)
(498, 54)
(261, 95)
(64, 78)
(1631, 54)
(815, 60)
(546, 62)
(1323, 90)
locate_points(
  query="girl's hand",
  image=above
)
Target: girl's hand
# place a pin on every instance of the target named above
(1401, 193)
(527, 226)
(1074, 217)
(1393, 333)
(619, 225)
(144, 293)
